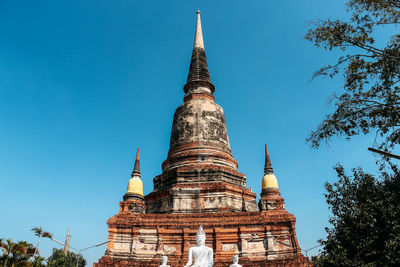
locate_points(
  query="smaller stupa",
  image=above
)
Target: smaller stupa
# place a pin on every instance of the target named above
(270, 196)
(133, 198)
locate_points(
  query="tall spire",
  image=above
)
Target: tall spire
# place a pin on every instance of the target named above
(136, 169)
(268, 165)
(198, 37)
(199, 75)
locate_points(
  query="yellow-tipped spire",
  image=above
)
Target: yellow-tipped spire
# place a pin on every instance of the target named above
(135, 185)
(269, 179)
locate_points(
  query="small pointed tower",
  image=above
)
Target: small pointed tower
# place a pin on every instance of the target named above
(270, 196)
(133, 198)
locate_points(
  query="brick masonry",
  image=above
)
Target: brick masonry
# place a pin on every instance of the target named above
(200, 185)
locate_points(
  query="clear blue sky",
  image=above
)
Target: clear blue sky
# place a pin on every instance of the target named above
(84, 83)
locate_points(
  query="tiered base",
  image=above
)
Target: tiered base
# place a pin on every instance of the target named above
(259, 238)
(107, 261)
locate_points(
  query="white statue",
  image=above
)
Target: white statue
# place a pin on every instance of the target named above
(164, 261)
(203, 256)
(235, 262)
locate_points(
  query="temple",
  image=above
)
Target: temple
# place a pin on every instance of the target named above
(200, 185)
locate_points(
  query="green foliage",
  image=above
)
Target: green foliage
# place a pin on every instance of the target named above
(38, 231)
(371, 98)
(366, 220)
(59, 259)
(16, 254)
(38, 261)
(22, 254)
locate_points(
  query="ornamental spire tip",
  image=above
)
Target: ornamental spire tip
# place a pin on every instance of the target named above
(198, 38)
(136, 169)
(268, 165)
(199, 76)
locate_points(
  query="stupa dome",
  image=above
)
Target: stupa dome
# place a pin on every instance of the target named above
(135, 186)
(269, 181)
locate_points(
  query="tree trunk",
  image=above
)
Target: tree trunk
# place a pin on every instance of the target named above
(7, 257)
(37, 246)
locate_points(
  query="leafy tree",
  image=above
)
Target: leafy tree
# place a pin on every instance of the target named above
(16, 254)
(59, 259)
(370, 101)
(38, 231)
(366, 220)
(38, 261)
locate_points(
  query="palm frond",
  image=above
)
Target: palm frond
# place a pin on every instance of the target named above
(47, 235)
(37, 231)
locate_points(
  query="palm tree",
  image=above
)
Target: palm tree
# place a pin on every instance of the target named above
(7, 247)
(3, 247)
(38, 231)
(16, 254)
(21, 253)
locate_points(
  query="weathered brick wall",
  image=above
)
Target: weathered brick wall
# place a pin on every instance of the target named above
(258, 237)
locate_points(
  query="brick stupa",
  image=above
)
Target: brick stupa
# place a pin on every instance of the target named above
(200, 185)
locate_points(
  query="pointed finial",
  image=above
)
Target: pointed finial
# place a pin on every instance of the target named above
(200, 231)
(198, 70)
(268, 165)
(136, 169)
(198, 37)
